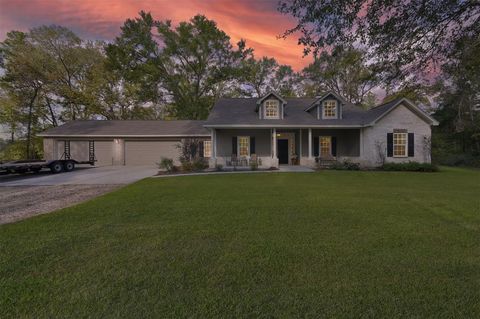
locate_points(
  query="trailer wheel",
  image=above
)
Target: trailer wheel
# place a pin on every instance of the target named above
(69, 166)
(56, 167)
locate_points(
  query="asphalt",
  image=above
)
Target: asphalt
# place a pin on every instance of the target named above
(106, 175)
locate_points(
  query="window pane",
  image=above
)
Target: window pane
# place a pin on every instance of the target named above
(271, 108)
(207, 148)
(399, 144)
(330, 109)
(243, 145)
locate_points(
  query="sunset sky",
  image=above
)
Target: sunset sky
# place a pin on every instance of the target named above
(257, 21)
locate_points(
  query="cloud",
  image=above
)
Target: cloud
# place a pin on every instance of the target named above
(258, 22)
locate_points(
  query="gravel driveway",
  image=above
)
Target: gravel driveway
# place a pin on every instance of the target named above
(20, 202)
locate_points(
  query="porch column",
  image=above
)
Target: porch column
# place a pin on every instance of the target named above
(214, 143)
(309, 143)
(300, 146)
(274, 143)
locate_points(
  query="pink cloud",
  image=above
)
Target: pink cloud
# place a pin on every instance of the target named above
(256, 21)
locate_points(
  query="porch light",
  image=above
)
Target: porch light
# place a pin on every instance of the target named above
(278, 135)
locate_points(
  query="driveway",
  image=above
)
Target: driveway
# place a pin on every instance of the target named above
(23, 196)
(106, 175)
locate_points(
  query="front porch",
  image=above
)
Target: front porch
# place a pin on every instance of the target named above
(274, 147)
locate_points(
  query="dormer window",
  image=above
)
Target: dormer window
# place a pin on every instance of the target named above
(271, 109)
(330, 109)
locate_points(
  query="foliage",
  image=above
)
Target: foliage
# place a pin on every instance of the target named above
(16, 150)
(458, 134)
(253, 165)
(204, 245)
(405, 35)
(258, 77)
(190, 155)
(346, 165)
(219, 167)
(344, 71)
(410, 167)
(166, 164)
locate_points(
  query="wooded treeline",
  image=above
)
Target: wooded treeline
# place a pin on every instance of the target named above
(154, 70)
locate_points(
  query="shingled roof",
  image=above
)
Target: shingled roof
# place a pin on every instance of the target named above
(137, 128)
(238, 112)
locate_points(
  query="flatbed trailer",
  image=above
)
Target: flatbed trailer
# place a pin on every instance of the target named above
(55, 166)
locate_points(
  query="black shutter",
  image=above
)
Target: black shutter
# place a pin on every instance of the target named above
(411, 145)
(234, 145)
(252, 145)
(200, 148)
(389, 144)
(334, 146)
(316, 146)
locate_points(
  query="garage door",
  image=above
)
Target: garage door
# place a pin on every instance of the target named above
(103, 153)
(150, 152)
(79, 151)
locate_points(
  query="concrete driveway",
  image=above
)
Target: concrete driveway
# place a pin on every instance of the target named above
(106, 175)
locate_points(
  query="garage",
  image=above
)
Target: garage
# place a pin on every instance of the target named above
(150, 152)
(133, 143)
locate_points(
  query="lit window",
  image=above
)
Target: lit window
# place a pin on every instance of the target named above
(330, 109)
(399, 144)
(271, 109)
(207, 148)
(243, 146)
(325, 146)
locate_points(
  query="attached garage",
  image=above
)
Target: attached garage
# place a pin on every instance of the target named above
(150, 152)
(140, 143)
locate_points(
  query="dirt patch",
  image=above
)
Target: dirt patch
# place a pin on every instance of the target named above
(20, 202)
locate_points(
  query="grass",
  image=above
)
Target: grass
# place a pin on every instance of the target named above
(329, 244)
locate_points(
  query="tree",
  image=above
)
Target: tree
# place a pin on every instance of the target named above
(264, 75)
(409, 35)
(133, 83)
(459, 101)
(344, 71)
(197, 60)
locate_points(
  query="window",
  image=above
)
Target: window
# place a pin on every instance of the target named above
(325, 146)
(207, 148)
(243, 146)
(330, 109)
(399, 144)
(271, 109)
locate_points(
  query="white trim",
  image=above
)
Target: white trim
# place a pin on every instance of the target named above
(118, 136)
(265, 116)
(274, 143)
(334, 117)
(300, 146)
(406, 145)
(205, 148)
(260, 100)
(283, 125)
(310, 143)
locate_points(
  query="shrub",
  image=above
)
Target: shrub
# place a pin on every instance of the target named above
(253, 165)
(166, 164)
(219, 167)
(199, 164)
(409, 167)
(346, 165)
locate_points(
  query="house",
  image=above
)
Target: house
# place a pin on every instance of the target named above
(272, 129)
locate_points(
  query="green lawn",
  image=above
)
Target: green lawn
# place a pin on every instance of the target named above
(329, 244)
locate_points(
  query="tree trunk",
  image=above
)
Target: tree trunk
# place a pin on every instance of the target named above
(29, 125)
(54, 120)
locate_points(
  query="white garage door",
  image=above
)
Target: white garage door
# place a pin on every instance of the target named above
(150, 152)
(79, 151)
(103, 153)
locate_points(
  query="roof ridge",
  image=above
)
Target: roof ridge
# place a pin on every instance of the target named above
(385, 103)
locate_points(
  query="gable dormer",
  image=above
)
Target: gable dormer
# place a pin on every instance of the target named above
(327, 107)
(271, 107)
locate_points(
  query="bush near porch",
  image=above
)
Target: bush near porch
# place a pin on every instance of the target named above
(331, 244)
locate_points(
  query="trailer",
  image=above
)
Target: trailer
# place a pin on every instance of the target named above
(35, 166)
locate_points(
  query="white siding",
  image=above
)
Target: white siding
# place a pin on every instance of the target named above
(400, 118)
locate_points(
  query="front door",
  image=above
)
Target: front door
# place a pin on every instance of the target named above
(282, 151)
(325, 146)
